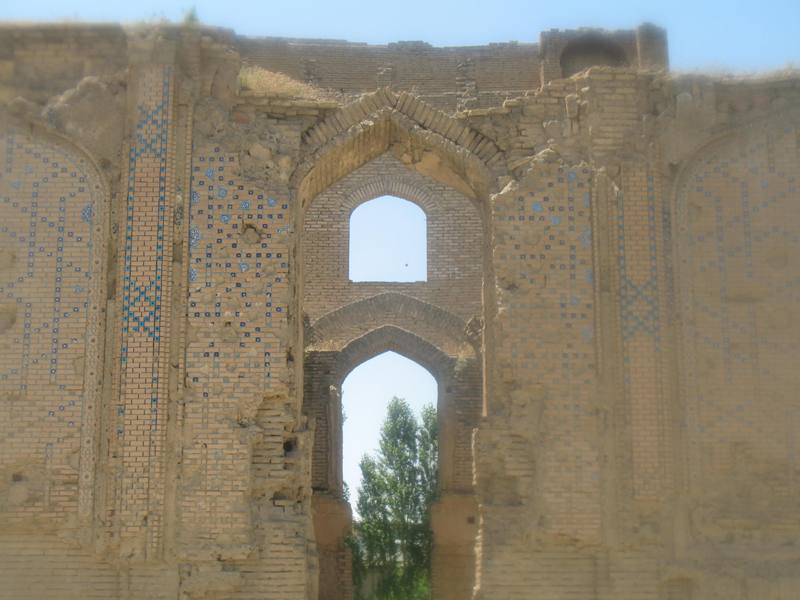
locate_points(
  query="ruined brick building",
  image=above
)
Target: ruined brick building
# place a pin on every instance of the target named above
(611, 312)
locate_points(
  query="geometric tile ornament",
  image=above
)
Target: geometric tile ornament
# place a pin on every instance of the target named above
(145, 289)
(740, 284)
(52, 245)
(237, 315)
(641, 229)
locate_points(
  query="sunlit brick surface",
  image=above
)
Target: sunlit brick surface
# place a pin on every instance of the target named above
(610, 312)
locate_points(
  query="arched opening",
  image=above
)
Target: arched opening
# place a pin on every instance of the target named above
(390, 469)
(591, 50)
(347, 321)
(456, 369)
(366, 393)
(388, 241)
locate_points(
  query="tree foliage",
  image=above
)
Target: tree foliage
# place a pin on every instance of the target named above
(392, 539)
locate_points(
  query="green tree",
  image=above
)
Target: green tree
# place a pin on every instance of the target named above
(392, 539)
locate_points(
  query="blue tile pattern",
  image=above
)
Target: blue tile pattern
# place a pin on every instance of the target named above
(46, 190)
(640, 308)
(238, 247)
(52, 248)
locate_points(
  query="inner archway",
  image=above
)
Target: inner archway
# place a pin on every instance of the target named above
(390, 471)
(455, 365)
(366, 393)
(347, 322)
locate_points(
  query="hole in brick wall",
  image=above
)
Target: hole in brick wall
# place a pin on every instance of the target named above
(388, 241)
(289, 446)
(16, 477)
(8, 316)
(8, 260)
(591, 50)
(250, 234)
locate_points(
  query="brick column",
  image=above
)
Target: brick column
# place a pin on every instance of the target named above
(640, 230)
(145, 290)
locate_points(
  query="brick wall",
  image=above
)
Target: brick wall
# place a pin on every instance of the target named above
(447, 78)
(454, 248)
(738, 262)
(541, 413)
(39, 62)
(610, 312)
(52, 276)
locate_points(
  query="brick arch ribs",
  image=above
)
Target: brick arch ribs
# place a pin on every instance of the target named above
(438, 342)
(371, 126)
(390, 185)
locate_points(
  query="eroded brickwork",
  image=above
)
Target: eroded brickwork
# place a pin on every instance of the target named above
(610, 313)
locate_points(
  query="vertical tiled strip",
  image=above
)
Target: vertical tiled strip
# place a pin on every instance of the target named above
(642, 296)
(146, 289)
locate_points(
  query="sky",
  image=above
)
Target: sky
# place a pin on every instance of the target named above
(387, 241)
(365, 395)
(740, 35)
(704, 35)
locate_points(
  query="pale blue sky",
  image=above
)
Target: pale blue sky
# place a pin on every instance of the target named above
(703, 35)
(741, 35)
(365, 395)
(387, 241)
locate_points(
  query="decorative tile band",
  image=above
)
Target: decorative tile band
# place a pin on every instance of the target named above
(641, 279)
(145, 296)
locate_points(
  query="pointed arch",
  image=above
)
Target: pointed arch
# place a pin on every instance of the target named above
(399, 187)
(392, 339)
(335, 329)
(388, 241)
(423, 137)
(412, 107)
